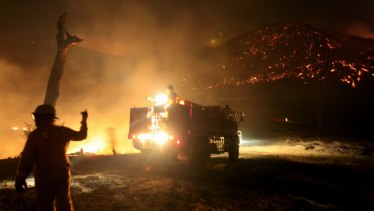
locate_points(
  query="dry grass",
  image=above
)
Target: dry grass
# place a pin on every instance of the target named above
(314, 151)
(281, 175)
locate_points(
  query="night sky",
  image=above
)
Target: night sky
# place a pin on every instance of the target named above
(152, 31)
(126, 27)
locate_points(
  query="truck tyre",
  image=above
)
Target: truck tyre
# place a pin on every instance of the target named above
(234, 151)
(199, 154)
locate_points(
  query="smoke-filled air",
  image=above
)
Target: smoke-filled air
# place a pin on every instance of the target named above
(130, 50)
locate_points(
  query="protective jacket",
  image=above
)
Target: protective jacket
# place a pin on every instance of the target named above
(45, 154)
(45, 150)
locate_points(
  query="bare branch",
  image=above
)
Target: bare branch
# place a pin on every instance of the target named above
(64, 39)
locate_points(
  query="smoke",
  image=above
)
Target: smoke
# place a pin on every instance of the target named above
(361, 30)
(123, 58)
(20, 92)
(131, 49)
(133, 28)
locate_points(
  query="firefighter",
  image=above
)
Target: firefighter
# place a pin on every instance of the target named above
(172, 96)
(45, 154)
(111, 133)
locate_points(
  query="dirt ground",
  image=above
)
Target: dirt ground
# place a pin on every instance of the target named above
(290, 176)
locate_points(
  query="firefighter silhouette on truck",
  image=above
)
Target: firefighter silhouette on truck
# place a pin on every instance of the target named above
(172, 95)
(45, 154)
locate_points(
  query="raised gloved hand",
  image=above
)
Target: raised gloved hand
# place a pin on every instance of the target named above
(21, 185)
(84, 116)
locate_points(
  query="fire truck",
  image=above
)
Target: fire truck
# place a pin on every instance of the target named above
(186, 129)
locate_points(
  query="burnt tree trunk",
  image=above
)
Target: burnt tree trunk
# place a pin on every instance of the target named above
(64, 42)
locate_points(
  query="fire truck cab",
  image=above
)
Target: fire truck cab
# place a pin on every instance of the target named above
(185, 128)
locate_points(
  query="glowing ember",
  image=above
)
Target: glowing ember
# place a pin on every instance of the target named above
(17, 129)
(293, 51)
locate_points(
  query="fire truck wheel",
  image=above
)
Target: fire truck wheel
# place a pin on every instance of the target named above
(199, 154)
(234, 153)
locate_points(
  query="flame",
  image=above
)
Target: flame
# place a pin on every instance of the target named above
(95, 145)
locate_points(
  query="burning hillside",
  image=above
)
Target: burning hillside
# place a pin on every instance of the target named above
(293, 77)
(290, 50)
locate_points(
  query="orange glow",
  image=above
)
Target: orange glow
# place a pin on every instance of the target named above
(99, 142)
(96, 145)
(278, 68)
(17, 129)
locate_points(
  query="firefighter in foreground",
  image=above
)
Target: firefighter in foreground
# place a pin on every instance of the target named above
(45, 154)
